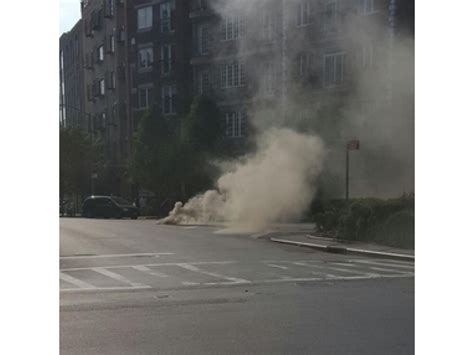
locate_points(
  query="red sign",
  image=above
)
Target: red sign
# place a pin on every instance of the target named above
(353, 145)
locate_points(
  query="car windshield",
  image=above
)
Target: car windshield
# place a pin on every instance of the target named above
(120, 201)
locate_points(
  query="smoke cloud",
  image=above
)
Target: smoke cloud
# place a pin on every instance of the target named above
(375, 104)
(275, 183)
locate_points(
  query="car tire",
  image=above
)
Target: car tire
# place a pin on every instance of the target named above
(134, 217)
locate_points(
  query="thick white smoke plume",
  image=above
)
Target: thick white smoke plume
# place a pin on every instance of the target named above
(276, 183)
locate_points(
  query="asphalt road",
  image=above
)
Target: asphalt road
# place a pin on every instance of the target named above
(134, 287)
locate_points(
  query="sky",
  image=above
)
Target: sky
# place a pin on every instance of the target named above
(69, 14)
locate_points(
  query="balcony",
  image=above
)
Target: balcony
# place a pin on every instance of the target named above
(200, 12)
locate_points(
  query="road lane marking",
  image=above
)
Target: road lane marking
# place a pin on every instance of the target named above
(149, 271)
(153, 264)
(390, 270)
(325, 267)
(116, 276)
(385, 263)
(97, 289)
(113, 256)
(193, 268)
(75, 282)
(277, 266)
(371, 268)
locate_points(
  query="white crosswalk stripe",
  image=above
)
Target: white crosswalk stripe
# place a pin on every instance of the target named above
(226, 273)
(115, 276)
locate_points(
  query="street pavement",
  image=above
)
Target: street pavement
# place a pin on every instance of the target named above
(135, 287)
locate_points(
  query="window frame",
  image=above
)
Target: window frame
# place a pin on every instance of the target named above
(334, 82)
(102, 87)
(234, 74)
(145, 22)
(332, 27)
(145, 55)
(234, 122)
(100, 54)
(148, 90)
(167, 58)
(112, 43)
(231, 27)
(203, 49)
(168, 92)
(303, 13)
(166, 22)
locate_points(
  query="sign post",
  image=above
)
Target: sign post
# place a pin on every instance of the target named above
(351, 145)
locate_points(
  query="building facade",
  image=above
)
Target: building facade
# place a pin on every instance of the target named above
(158, 55)
(105, 79)
(72, 109)
(331, 66)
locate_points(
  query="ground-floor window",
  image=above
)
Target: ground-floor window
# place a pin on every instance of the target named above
(235, 124)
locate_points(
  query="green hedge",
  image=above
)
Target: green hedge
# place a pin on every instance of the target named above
(389, 222)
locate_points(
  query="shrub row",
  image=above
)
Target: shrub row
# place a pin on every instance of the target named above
(390, 222)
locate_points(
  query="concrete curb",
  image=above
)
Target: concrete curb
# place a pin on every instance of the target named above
(343, 250)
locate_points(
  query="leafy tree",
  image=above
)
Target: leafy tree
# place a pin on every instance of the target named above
(170, 156)
(79, 156)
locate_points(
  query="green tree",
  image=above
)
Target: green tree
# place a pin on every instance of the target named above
(79, 156)
(170, 156)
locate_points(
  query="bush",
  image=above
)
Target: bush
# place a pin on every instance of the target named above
(389, 222)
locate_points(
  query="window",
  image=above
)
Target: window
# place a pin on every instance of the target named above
(234, 124)
(109, 8)
(232, 75)
(145, 97)
(231, 27)
(167, 16)
(366, 6)
(330, 16)
(333, 69)
(167, 58)
(303, 13)
(268, 26)
(112, 43)
(100, 54)
(111, 4)
(102, 87)
(203, 39)
(145, 17)
(103, 117)
(145, 58)
(203, 82)
(112, 80)
(133, 81)
(367, 55)
(303, 62)
(168, 98)
(268, 79)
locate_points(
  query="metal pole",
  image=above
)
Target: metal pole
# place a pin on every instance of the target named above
(347, 174)
(92, 185)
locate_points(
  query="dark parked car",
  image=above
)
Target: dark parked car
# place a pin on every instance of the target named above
(108, 207)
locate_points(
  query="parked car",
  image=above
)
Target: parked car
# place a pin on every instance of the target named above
(108, 207)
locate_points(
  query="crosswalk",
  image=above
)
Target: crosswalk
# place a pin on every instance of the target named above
(172, 275)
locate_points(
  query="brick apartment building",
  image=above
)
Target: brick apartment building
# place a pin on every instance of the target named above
(105, 84)
(295, 58)
(159, 50)
(281, 52)
(72, 79)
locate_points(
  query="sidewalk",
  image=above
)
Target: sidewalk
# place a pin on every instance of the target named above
(335, 246)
